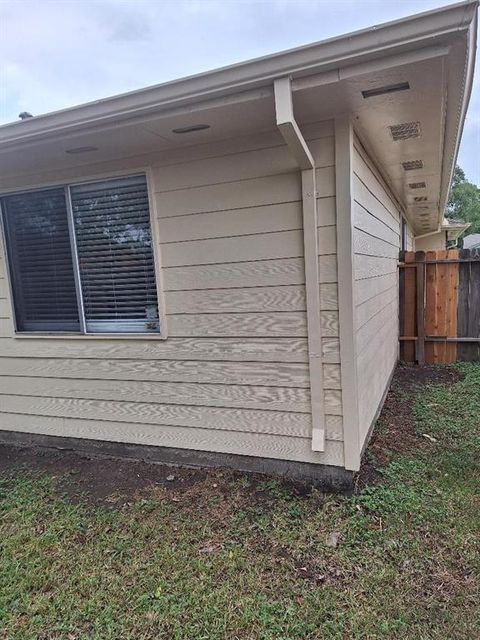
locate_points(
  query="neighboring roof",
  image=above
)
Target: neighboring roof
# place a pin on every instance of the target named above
(472, 241)
(435, 48)
(450, 222)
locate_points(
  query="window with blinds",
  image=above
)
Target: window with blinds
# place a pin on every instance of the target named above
(81, 258)
(40, 261)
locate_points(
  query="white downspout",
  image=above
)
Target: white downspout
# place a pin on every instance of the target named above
(300, 151)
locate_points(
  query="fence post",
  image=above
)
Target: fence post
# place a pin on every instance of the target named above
(463, 349)
(452, 305)
(474, 304)
(430, 304)
(420, 343)
(409, 307)
(401, 300)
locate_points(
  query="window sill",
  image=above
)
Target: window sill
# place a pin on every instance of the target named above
(90, 336)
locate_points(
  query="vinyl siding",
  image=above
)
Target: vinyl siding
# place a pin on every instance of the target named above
(232, 376)
(376, 243)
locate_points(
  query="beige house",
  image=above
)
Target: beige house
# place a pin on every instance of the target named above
(207, 269)
(446, 237)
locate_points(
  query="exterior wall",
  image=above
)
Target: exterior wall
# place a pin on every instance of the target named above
(411, 242)
(232, 376)
(435, 242)
(376, 244)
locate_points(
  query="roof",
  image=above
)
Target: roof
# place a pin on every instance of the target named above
(454, 228)
(471, 241)
(454, 222)
(434, 51)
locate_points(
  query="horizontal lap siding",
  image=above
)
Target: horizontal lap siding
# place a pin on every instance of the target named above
(281, 447)
(376, 243)
(232, 375)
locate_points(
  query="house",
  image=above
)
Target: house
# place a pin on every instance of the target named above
(446, 237)
(205, 271)
(472, 241)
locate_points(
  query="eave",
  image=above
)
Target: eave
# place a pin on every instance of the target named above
(354, 48)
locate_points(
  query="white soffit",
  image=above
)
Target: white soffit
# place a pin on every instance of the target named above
(141, 139)
(422, 105)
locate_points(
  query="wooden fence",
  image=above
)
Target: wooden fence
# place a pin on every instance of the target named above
(440, 306)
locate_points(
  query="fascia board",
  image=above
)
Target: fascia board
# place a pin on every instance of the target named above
(451, 150)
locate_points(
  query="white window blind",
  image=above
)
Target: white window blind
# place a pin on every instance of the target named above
(81, 258)
(115, 257)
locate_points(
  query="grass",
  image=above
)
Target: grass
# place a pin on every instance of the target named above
(229, 558)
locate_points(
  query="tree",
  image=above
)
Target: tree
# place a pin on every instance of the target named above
(464, 201)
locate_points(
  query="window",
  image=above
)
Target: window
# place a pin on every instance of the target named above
(404, 237)
(81, 259)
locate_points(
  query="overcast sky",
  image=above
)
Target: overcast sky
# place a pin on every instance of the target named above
(59, 53)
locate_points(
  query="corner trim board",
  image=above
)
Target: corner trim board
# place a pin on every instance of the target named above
(346, 305)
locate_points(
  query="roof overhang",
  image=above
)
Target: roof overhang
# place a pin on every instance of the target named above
(433, 52)
(454, 229)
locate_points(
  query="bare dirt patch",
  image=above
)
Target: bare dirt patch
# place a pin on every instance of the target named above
(395, 432)
(115, 482)
(413, 377)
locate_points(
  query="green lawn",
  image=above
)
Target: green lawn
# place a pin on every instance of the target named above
(233, 557)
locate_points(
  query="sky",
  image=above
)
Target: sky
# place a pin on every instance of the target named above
(59, 53)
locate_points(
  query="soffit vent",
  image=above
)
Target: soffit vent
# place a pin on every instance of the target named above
(389, 88)
(411, 165)
(405, 131)
(417, 185)
(191, 128)
(420, 199)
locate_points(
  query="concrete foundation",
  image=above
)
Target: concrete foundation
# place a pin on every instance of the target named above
(325, 477)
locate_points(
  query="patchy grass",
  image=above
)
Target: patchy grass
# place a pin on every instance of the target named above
(237, 557)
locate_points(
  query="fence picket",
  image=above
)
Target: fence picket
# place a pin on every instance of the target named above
(440, 307)
(474, 308)
(409, 307)
(430, 306)
(463, 349)
(451, 306)
(420, 303)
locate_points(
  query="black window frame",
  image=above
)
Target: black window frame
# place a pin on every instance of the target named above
(404, 234)
(154, 327)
